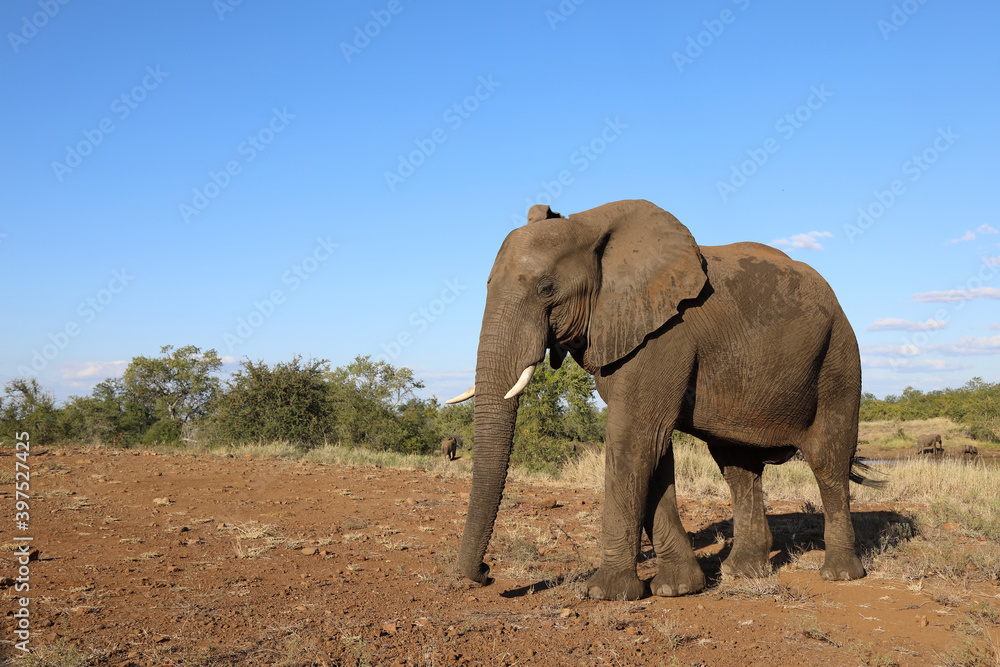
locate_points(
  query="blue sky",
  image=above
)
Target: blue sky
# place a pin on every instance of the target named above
(269, 180)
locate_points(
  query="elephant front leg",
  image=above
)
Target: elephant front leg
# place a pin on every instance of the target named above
(678, 570)
(750, 555)
(626, 484)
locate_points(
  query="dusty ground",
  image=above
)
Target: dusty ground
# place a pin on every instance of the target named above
(170, 559)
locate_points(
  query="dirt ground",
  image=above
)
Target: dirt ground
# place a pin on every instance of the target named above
(149, 559)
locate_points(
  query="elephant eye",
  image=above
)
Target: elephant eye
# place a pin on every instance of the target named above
(545, 288)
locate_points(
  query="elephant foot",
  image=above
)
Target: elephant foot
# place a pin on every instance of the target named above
(842, 566)
(678, 580)
(746, 563)
(617, 586)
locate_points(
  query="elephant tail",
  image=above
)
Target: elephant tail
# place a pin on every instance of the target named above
(860, 474)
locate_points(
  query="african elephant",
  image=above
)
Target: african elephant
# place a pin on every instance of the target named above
(929, 443)
(738, 345)
(449, 446)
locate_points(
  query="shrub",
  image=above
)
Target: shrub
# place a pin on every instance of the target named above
(163, 432)
(289, 401)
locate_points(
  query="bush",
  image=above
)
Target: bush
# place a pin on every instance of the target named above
(163, 432)
(25, 406)
(290, 401)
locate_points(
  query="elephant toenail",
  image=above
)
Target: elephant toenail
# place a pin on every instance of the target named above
(682, 589)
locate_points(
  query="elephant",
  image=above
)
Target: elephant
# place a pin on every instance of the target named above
(738, 345)
(929, 444)
(588, 447)
(449, 447)
(970, 451)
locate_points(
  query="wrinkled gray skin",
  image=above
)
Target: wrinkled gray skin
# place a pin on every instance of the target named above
(737, 345)
(929, 443)
(449, 446)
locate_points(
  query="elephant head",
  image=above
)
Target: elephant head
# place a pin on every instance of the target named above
(595, 285)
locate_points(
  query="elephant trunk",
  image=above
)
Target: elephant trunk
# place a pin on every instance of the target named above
(496, 371)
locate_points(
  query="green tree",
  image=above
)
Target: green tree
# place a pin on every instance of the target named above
(369, 395)
(557, 407)
(26, 406)
(110, 415)
(378, 381)
(290, 401)
(179, 385)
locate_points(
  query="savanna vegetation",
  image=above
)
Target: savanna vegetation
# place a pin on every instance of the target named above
(180, 398)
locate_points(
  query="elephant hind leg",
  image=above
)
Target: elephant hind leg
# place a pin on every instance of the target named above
(830, 454)
(742, 469)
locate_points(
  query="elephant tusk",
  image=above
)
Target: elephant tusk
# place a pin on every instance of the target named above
(522, 382)
(469, 393)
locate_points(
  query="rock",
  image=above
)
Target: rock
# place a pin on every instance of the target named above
(390, 627)
(922, 620)
(173, 568)
(567, 613)
(547, 503)
(309, 551)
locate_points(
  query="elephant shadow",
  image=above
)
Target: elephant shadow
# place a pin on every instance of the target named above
(798, 533)
(794, 535)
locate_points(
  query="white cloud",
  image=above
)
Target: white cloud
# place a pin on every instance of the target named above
(948, 296)
(912, 365)
(896, 324)
(994, 326)
(86, 370)
(890, 350)
(992, 260)
(970, 345)
(228, 359)
(807, 241)
(986, 229)
(968, 236)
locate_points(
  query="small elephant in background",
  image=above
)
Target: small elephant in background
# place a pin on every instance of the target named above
(970, 451)
(449, 447)
(929, 444)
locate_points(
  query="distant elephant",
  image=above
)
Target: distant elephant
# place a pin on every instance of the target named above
(738, 345)
(929, 444)
(449, 446)
(581, 448)
(970, 451)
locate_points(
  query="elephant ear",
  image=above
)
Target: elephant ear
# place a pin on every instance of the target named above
(649, 264)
